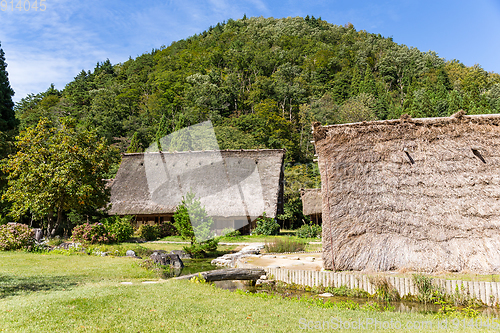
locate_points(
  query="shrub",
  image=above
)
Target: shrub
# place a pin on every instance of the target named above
(167, 229)
(14, 237)
(284, 245)
(230, 232)
(309, 231)
(203, 249)
(91, 234)
(120, 228)
(149, 232)
(266, 226)
(385, 291)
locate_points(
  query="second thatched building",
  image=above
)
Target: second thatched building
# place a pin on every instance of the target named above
(234, 186)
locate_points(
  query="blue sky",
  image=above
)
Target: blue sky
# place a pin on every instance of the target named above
(53, 46)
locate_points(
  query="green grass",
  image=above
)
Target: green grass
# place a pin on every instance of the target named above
(281, 245)
(21, 273)
(174, 306)
(78, 293)
(247, 239)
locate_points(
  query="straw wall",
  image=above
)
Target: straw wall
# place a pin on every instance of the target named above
(416, 194)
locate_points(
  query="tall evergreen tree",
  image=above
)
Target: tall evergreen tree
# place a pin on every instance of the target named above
(135, 144)
(7, 116)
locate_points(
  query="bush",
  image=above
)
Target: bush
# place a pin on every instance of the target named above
(91, 234)
(166, 229)
(120, 228)
(203, 249)
(149, 232)
(309, 231)
(284, 245)
(14, 237)
(230, 232)
(266, 226)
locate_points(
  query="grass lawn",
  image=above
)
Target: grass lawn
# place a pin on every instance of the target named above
(247, 239)
(58, 293)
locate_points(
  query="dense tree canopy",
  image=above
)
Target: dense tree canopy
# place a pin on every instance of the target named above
(261, 81)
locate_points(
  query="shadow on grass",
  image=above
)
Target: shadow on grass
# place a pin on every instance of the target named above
(11, 285)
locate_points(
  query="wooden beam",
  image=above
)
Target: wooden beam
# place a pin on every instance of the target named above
(228, 274)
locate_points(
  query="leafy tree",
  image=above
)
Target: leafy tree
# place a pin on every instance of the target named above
(193, 223)
(57, 169)
(135, 144)
(357, 109)
(30, 109)
(229, 137)
(296, 177)
(192, 220)
(182, 222)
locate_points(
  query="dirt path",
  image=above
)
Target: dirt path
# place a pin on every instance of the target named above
(301, 261)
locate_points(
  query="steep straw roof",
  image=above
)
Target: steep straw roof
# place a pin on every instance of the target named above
(311, 201)
(229, 183)
(417, 194)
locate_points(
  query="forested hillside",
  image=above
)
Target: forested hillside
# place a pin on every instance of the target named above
(262, 81)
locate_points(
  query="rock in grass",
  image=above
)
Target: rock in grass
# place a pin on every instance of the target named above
(326, 295)
(130, 253)
(165, 259)
(181, 254)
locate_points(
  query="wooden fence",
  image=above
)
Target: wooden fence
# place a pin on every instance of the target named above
(486, 292)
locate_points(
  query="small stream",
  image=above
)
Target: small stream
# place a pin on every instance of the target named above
(202, 265)
(399, 306)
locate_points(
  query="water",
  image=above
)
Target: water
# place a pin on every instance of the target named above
(201, 265)
(399, 306)
(192, 266)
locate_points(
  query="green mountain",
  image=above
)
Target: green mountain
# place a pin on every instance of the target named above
(262, 81)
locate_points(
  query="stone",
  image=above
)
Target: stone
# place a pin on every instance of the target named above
(67, 245)
(130, 253)
(326, 295)
(165, 259)
(263, 277)
(260, 282)
(309, 259)
(38, 234)
(181, 254)
(221, 262)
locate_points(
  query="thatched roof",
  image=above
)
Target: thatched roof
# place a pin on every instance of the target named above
(311, 201)
(228, 183)
(418, 194)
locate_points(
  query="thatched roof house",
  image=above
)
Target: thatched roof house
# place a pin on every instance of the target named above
(311, 203)
(235, 187)
(417, 194)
